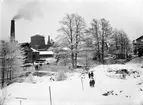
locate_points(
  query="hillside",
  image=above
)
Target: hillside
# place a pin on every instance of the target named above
(137, 61)
(110, 88)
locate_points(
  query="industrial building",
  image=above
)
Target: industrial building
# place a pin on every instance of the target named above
(38, 42)
(31, 55)
(138, 46)
(36, 49)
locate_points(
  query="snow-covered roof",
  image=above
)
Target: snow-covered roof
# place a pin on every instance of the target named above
(37, 35)
(46, 52)
(65, 48)
(34, 50)
(141, 37)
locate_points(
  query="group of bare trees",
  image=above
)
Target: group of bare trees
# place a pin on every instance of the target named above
(99, 37)
(120, 44)
(11, 60)
(100, 31)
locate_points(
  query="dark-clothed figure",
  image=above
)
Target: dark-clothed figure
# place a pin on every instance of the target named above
(92, 83)
(91, 75)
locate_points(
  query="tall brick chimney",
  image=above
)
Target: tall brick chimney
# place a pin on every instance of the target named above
(49, 40)
(12, 31)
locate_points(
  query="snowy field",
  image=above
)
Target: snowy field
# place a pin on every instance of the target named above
(110, 88)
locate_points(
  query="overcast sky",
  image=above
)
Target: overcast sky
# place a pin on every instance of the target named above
(43, 16)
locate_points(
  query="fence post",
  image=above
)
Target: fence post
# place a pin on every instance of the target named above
(82, 84)
(50, 95)
(21, 98)
(20, 102)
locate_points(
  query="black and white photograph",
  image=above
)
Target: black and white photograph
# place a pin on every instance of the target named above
(71, 52)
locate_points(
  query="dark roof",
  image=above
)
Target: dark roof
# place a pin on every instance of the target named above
(37, 35)
(141, 37)
(26, 44)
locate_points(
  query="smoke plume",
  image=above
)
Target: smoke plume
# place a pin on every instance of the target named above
(29, 11)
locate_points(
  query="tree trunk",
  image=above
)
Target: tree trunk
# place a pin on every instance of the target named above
(99, 58)
(72, 58)
(3, 63)
(76, 55)
(72, 53)
(102, 50)
(10, 75)
(116, 42)
(3, 77)
(98, 44)
(77, 33)
(76, 60)
(7, 74)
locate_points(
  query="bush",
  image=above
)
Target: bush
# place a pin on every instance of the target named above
(3, 96)
(61, 76)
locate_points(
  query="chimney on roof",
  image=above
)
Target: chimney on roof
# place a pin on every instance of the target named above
(49, 41)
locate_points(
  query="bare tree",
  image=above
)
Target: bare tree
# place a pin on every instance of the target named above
(114, 43)
(100, 30)
(125, 45)
(95, 32)
(71, 31)
(120, 43)
(3, 66)
(11, 61)
(68, 30)
(87, 50)
(106, 31)
(79, 32)
(60, 53)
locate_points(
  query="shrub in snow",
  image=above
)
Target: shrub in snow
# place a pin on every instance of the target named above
(30, 77)
(61, 76)
(108, 93)
(122, 73)
(3, 96)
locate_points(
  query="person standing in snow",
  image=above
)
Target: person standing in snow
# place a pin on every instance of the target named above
(91, 75)
(90, 83)
(93, 82)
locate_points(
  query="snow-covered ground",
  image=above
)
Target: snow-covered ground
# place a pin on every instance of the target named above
(109, 89)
